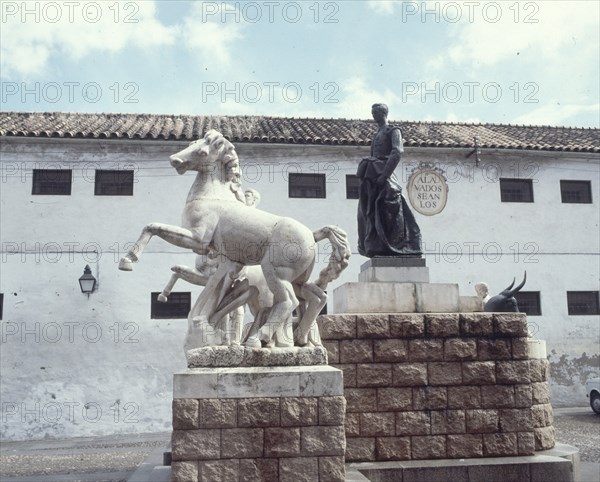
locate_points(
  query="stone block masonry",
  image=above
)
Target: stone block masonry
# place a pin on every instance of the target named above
(437, 386)
(258, 424)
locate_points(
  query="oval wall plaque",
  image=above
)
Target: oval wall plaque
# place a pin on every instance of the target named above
(427, 191)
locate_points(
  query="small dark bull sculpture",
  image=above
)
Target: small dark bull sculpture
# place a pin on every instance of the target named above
(505, 302)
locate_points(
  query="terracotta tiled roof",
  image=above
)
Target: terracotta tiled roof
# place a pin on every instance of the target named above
(287, 130)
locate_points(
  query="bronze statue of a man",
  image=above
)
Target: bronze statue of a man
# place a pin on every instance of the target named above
(386, 226)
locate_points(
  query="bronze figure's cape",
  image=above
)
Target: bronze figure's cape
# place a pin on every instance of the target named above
(386, 226)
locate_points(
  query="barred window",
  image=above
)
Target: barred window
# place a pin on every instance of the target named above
(352, 185)
(178, 305)
(583, 303)
(306, 185)
(516, 190)
(55, 182)
(529, 302)
(579, 192)
(113, 183)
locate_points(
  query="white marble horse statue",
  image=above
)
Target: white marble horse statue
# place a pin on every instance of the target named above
(285, 249)
(255, 292)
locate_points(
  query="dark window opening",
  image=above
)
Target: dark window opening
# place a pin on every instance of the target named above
(579, 192)
(529, 302)
(583, 303)
(178, 305)
(306, 185)
(516, 190)
(1, 304)
(113, 183)
(352, 185)
(54, 182)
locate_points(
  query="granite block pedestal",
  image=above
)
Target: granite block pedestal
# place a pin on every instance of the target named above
(258, 424)
(428, 375)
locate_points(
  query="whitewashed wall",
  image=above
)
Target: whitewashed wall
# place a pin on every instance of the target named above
(63, 351)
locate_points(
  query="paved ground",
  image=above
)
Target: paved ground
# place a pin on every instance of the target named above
(90, 459)
(116, 458)
(580, 427)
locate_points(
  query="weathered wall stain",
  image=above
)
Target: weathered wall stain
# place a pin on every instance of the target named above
(568, 375)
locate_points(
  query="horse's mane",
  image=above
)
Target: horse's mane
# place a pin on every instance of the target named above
(225, 149)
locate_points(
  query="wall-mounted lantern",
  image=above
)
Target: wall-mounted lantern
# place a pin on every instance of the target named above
(87, 282)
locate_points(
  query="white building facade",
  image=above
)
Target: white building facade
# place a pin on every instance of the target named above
(77, 365)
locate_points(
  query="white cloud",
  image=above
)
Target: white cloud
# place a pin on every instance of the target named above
(538, 29)
(356, 99)
(213, 39)
(29, 42)
(383, 7)
(552, 45)
(555, 114)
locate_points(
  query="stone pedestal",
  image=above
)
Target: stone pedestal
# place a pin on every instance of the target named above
(384, 297)
(400, 285)
(439, 386)
(258, 424)
(399, 270)
(428, 375)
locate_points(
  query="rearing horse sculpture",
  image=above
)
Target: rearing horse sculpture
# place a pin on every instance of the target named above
(284, 248)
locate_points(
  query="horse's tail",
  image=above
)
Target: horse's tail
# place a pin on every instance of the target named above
(340, 253)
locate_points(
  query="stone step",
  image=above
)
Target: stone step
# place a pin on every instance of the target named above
(506, 469)
(535, 468)
(151, 469)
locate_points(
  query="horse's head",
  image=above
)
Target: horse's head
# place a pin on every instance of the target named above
(209, 153)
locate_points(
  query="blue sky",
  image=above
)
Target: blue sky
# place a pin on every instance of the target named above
(500, 62)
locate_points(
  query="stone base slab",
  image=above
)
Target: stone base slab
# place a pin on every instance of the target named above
(242, 356)
(471, 304)
(536, 468)
(567, 452)
(396, 275)
(399, 262)
(537, 348)
(251, 382)
(396, 298)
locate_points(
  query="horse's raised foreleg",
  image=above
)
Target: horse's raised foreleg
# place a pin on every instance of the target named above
(184, 238)
(163, 297)
(316, 299)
